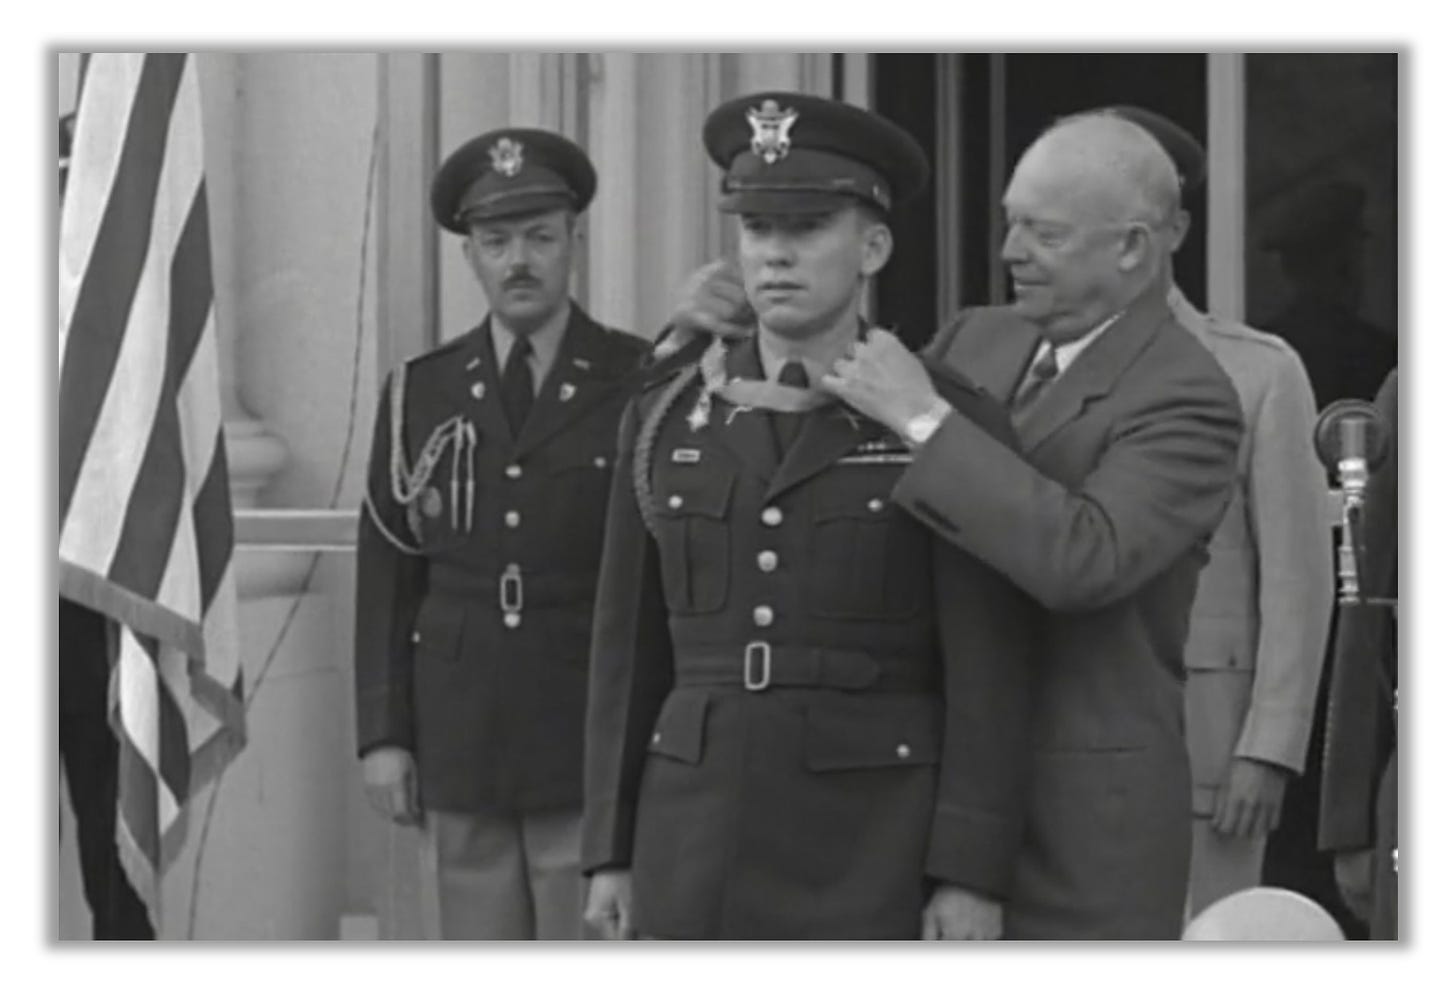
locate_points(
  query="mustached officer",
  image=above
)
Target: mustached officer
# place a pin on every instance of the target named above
(478, 550)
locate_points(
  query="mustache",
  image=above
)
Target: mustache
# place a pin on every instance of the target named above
(523, 279)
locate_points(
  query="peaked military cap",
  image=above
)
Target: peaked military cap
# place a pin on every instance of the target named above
(514, 170)
(1187, 154)
(785, 152)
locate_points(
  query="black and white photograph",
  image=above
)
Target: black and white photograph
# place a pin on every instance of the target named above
(516, 495)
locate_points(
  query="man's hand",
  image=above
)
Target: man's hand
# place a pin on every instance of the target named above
(609, 904)
(960, 914)
(712, 300)
(882, 379)
(1355, 878)
(391, 784)
(1249, 801)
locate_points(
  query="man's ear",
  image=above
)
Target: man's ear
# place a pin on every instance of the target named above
(1137, 247)
(877, 244)
(1178, 229)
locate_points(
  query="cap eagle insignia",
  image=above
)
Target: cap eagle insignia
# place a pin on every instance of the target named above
(771, 130)
(507, 157)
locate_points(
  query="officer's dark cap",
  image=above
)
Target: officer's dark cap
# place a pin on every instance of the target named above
(511, 172)
(785, 152)
(1187, 154)
(1321, 213)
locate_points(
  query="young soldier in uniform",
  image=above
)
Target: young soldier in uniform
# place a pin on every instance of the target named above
(807, 718)
(478, 552)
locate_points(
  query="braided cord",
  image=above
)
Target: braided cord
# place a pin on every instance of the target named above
(647, 439)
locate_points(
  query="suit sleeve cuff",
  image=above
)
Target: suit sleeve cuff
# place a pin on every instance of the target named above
(1277, 735)
(973, 850)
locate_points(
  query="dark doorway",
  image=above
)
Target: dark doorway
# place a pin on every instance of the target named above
(1003, 102)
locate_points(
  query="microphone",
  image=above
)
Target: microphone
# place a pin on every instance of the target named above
(1352, 442)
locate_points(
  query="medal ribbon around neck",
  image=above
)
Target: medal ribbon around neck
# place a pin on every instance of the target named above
(750, 394)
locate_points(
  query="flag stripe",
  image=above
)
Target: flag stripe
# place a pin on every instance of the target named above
(107, 291)
(95, 151)
(173, 757)
(136, 795)
(212, 521)
(155, 505)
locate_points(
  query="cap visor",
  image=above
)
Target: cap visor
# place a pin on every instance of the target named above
(515, 206)
(769, 201)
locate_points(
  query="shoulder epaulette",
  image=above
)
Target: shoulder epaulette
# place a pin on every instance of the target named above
(660, 370)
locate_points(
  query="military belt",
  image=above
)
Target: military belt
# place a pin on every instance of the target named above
(759, 665)
(513, 590)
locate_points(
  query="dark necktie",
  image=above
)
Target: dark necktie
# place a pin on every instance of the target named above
(786, 426)
(516, 390)
(1043, 374)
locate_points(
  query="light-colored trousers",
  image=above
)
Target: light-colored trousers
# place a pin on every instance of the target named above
(503, 876)
(1220, 865)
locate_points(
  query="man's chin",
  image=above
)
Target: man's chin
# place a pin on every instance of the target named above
(517, 311)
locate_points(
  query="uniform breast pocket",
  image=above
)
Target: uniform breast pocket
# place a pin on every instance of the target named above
(867, 558)
(436, 515)
(691, 509)
(575, 501)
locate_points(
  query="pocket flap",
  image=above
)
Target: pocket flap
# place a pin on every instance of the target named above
(693, 492)
(862, 502)
(679, 730)
(871, 734)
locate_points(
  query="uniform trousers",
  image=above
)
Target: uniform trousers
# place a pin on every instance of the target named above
(1221, 865)
(503, 876)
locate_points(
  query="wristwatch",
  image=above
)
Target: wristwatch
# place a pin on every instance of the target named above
(923, 425)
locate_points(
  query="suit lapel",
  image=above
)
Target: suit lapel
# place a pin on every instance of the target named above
(580, 378)
(1095, 371)
(479, 374)
(998, 346)
(746, 433)
(831, 432)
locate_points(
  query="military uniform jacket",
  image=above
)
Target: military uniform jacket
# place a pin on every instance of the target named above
(1128, 461)
(1256, 636)
(803, 709)
(474, 598)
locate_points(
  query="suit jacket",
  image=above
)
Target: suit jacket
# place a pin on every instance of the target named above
(1256, 638)
(887, 745)
(489, 698)
(1356, 813)
(1129, 459)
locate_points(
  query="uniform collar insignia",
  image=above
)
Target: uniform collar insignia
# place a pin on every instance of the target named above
(507, 157)
(771, 125)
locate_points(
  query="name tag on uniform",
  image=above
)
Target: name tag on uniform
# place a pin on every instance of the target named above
(686, 456)
(878, 458)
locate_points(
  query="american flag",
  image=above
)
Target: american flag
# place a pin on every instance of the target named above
(146, 527)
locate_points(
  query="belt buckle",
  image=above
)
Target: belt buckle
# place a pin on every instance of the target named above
(512, 590)
(759, 649)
